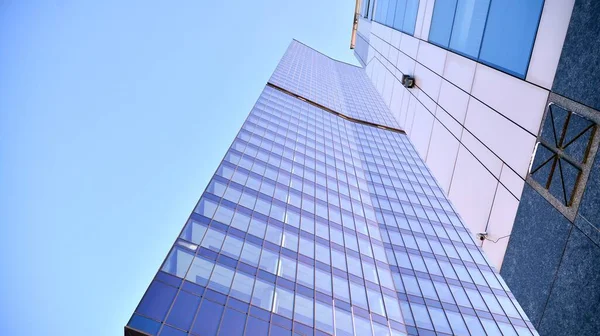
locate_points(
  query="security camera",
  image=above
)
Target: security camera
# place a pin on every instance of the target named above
(482, 235)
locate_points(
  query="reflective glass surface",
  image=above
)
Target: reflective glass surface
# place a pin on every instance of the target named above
(317, 225)
(398, 14)
(499, 33)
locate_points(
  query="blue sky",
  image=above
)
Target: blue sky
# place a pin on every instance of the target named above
(113, 117)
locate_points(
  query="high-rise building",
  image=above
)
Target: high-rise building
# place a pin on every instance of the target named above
(505, 113)
(323, 219)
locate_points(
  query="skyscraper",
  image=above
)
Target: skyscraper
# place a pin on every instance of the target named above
(505, 112)
(323, 219)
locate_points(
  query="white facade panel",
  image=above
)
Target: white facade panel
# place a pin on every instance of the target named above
(549, 41)
(443, 150)
(502, 216)
(510, 142)
(454, 100)
(446, 119)
(516, 99)
(472, 191)
(431, 56)
(460, 71)
(428, 81)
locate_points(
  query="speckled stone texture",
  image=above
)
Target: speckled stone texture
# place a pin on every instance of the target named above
(578, 73)
(590, 203)
(574, 304)
(537, 242)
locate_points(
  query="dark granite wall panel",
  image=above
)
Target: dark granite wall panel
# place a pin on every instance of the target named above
(574, 304)
(590, 203)
(537, 242)
(577, 76)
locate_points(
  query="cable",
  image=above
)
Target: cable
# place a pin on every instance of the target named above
(495, 241)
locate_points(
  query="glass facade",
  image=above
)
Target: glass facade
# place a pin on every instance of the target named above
(499, 33)
(398, 14)
(314, 224)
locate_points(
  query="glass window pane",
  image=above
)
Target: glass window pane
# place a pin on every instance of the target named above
(208, 318)
(370, 272)
(305, 275)
(269, 261)
(442, 21)
(323, 253)
(457, 323)
(307, 247)
(410, 16)
(250, 254)
(290, 241)
(193, 232)
(422, 317)
(340, 288)
(287, 268)
(439, 320)
(263, 294)
(232, 247)
(284, 302)
(343, 323)
(221, 278)
(399, 15)
(473, 325)
(303, 310)
(510, 33)
(206, 208)
(362, 326)
(381, 330)
(392, 308)
(375, 302)
(213, 240)
(324, 316)
(339, 259)
(178, 262)
(468, 26)
(242, 287)
(359, 297)
(323, 281)
(200, 271)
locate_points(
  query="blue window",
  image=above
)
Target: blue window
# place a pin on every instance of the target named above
(469, 22)
(497, 33)
(398, 14)
(208, 318)
(509, 35)
(233, 323)
(143, 324)
(168, 331)
(183, 311)
(157, 301)
(256, 327)
(410, 16)
(442, 22)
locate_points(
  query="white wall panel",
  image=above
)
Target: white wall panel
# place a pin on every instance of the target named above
(549, 41)
(428, 81)
(518, 100)
(409, 45)
(472, 191)
(454, 101)
(421, 129)
(511, 143)
(432, 57)
(443, 150)
(513, 182)
(446, 119)
(460, 71)
(483, 154)
(502, 216)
